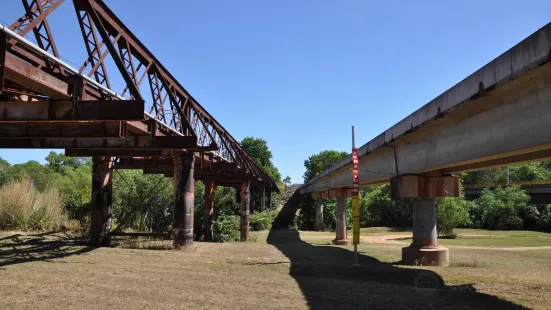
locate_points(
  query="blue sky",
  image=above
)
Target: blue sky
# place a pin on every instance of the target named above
(300, 73)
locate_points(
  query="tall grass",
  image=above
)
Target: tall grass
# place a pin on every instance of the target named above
(23, 207)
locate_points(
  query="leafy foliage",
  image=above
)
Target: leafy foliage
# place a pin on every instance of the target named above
(258, 149)
(317, 163)
(498, 209)
(451, 213)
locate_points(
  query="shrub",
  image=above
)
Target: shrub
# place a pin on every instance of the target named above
(262, 220)
(226, 228)
(23, 207)
(451, 213)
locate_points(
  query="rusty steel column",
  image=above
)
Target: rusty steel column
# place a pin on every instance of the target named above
(238, 194)
(319, 226)
(341, 237)
(184, 187)
(269, 198)
(263, 200)
(100, 217)
(245, 201)
(208, 224)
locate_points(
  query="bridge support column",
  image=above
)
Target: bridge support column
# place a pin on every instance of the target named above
(341, 237)
(102, 185)
(263, 200)
(184, 188)
(319, 226)
(245, 208)
(269, 198)
(424, 249)
(208, 224)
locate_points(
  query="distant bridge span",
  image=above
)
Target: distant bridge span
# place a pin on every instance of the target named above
(499, 115)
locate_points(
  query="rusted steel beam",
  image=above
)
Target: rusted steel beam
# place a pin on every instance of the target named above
(161, 164)
(61, 130)
(3, 48)
(41, 28)
(117, 153)
(62, 111)
(135, 142)
(35, 79)
(93, 47)
(93, 15)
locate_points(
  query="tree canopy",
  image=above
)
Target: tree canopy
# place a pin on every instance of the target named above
(317, 163)
(258, 149)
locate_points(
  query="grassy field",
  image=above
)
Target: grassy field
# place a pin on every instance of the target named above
(281, 269)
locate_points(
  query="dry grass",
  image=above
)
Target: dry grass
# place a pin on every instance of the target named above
(53, 271)
(24, 208)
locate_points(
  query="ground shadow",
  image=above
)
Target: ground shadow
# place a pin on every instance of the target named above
(18, 248)
(328, 280)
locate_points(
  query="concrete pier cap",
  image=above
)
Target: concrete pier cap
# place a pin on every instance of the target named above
(424, 250)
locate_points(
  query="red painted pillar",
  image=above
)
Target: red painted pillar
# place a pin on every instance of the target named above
(184, 187)
(100, 217)
(208, 224)
(245, 207)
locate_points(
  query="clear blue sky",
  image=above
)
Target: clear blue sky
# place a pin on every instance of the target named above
(300, 73)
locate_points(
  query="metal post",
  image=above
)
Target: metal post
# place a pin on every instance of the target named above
(355, 244)
(208, 225)
(245, 207)
(100, 217)
(184, 191)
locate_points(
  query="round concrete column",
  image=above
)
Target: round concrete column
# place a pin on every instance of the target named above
(341, 238)
(424, 249)
(319, 226)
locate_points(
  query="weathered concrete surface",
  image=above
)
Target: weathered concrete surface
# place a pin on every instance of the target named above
(498, 115)
(341, 237)
(319, 226)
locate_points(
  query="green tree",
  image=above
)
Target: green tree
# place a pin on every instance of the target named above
(317, 163)
(499, 208)
(451, 212)
(57, 161)
(258, 149)
(287, 181)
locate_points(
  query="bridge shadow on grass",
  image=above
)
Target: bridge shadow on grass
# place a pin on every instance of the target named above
(17, 249)
(329, 281)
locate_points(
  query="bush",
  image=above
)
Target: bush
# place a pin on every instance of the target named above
(262, 220)
(23, 207)
(451, 213)
(496, 208)
(226, 228)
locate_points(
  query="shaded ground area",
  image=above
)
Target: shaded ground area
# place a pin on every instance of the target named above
(53, 271)
(325, 272)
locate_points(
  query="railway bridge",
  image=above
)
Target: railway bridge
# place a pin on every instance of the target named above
(46, 103)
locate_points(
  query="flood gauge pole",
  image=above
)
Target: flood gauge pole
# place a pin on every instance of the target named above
(355, 200)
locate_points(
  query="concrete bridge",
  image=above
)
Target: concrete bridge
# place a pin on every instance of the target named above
(539, 191)
(46, 103)
(497, 116)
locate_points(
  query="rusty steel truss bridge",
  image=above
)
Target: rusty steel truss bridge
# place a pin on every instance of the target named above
(154, 124)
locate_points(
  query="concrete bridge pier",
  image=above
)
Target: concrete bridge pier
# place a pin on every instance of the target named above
(102, 197)
(319, 226)
(245, 209)
(208, 224)
(341, 237)
(184, 188)
(424, 250)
